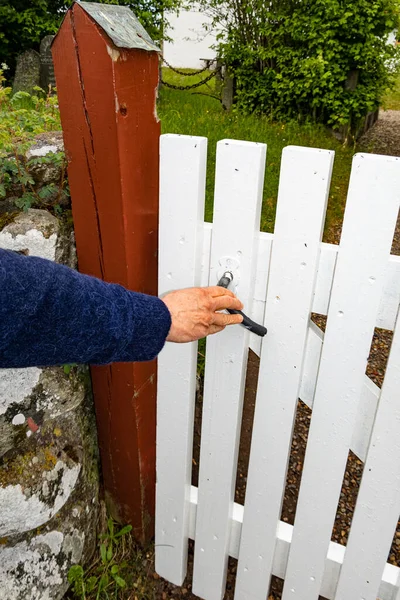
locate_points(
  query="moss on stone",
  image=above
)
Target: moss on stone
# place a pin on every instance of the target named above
(7, 218)
(27, 468)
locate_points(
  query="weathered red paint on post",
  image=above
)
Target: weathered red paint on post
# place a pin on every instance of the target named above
(107, 100)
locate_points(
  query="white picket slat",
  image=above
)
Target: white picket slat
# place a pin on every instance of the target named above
(378, 501)
(237, 208)
(298, 554)
(386, 317)
(365, 418)
(336, 552)
(302, 199)
(323, 286)
(391, 295)
(260, 286)
(369, 395)
(182, 193)
(390, 300)
(205, 262)
(312, 357)
(369, 223)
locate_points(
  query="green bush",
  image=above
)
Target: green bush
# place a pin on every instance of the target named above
(324, 59)
(22, 117)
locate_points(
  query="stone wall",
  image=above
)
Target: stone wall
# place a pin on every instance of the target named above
(48, 450)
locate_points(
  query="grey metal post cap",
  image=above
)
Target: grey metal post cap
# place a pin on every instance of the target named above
(121, 25)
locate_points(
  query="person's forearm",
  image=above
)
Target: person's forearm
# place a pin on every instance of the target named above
(50, 314)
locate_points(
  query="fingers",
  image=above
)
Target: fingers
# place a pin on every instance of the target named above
(222, 320)
(223, 299)
(194, 312)
(217, 290)
(224, 302)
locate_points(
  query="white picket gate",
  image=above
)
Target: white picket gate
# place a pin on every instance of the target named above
(281, 279)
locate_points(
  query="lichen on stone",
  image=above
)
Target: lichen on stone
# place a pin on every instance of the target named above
(48, 450)
(24, 507)
(36, 569)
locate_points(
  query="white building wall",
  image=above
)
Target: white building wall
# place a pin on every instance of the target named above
(392, 37)
(191, 42)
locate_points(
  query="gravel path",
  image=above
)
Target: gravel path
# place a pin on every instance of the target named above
(384, 138)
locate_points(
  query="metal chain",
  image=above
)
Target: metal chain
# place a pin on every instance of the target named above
(194, 85)
(187, 74)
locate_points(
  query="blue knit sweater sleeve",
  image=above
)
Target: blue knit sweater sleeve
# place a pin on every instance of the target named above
(53, 315)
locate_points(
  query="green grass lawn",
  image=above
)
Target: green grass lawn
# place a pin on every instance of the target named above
(392, 98)
(187, 113)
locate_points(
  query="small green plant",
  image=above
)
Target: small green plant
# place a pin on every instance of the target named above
(16, 176)
(22, 117)
(104, 579)
(5, 91)
(68, 368)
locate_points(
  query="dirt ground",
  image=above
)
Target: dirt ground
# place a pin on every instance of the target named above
(383, 138)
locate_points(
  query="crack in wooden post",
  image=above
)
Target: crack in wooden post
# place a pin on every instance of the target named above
(106, 77)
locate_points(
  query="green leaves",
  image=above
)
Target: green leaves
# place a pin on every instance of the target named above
(119, 581)
(105, 577)
(76, 579)
(16, 179)
(22, 117)
(22, 100)
(103, 553)
(23, 23)
(124, 531)
(296, 58)
(25, 201)
(75, 573)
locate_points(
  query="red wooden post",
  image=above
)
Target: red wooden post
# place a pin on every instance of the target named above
(107, 76)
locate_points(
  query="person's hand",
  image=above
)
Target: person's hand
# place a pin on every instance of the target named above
(194, 312)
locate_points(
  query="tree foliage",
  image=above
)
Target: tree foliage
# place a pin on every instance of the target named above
(328, 59)
(23, 23)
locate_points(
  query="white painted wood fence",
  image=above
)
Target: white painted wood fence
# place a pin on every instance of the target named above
(281, 279)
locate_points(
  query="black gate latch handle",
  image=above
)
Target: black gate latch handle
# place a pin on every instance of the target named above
(247, 322)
